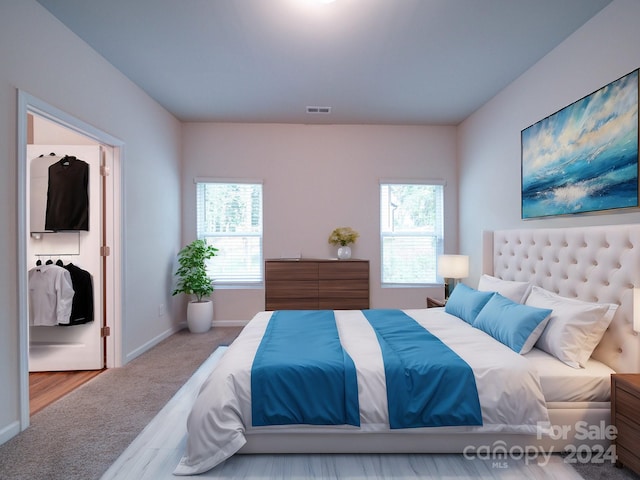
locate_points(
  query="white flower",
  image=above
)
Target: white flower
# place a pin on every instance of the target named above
(343, 236)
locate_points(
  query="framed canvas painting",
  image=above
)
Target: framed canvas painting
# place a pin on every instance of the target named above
(584, 158)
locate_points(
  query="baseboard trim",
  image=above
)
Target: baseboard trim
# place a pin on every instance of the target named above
(10, 431)
(167, 333)
(152, 343)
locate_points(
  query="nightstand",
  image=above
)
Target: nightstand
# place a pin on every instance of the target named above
(432, 302)
(625, 409)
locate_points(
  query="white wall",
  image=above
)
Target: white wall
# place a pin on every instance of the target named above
(604, 49)
(42, 57)
(316, 178)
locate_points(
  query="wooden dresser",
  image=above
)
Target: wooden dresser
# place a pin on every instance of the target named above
(625, 405)
(316, 284)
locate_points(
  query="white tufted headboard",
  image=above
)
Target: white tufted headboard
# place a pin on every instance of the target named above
(594, 264)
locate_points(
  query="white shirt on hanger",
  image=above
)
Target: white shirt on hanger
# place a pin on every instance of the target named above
(50, 295)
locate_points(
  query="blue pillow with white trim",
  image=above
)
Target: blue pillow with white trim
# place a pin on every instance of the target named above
(513, 324)
(466, 302)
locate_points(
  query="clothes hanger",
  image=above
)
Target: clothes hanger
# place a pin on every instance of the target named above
(59, 263)
(67, 159)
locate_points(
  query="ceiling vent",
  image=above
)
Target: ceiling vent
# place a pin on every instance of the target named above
(324, 110)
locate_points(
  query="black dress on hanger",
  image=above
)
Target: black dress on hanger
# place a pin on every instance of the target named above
(68, 195)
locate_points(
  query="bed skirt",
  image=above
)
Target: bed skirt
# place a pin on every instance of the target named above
(576, 426)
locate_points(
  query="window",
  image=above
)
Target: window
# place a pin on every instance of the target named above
(229, 217)
(410, 232)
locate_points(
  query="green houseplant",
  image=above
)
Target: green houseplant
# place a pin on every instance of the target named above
(193, 280)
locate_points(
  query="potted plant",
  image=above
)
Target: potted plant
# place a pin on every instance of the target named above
(193, 280)
(343, 236)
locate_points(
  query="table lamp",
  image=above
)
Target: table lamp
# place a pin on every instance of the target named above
(452, 268)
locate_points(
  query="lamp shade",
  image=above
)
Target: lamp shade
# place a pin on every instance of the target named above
(453, 266)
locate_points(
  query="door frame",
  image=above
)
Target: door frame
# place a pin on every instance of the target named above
(28, 104)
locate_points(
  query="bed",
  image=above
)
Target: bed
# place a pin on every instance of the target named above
(529, 401)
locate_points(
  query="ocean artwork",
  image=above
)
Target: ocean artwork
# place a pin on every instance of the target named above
(584, 158)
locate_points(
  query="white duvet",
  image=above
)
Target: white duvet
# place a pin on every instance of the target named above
(508, 387)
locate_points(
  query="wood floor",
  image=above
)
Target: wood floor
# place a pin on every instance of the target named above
(47, 387)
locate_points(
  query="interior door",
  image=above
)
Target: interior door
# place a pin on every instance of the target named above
(76, 347)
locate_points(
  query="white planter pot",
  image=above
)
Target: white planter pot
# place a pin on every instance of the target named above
(344, 253)
(200, 316)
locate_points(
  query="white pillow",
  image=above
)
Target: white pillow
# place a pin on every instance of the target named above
(575, 327)
(514, 291)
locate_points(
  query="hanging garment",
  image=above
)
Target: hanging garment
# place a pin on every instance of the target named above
(68, 195)
(39, 178)
(50, 295)
(82, 306)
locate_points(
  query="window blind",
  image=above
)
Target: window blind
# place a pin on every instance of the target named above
(229, 217)
(411, 231)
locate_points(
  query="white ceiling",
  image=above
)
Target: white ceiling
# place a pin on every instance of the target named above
(371, 61)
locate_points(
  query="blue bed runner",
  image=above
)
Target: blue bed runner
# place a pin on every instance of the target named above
(301, 374)
(428, 384)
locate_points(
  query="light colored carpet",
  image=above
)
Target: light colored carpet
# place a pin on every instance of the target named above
(79, 436)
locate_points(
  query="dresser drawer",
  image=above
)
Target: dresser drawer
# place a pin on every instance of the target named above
(338, 289)
(292, 304)
(625, 410)
(292, 289)
(627, 405)
(628, 458)
(290, 270)
(628, 432)
(344, 270)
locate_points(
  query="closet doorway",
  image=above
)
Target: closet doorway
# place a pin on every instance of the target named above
(75, 344)
(86, 340)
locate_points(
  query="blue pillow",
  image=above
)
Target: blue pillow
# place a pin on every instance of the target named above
(465, 302)
(517, 326)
